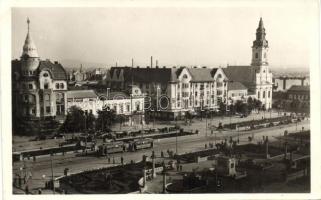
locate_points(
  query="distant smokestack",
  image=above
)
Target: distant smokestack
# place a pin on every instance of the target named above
(156, 63)
(116, 64)
(151, 61)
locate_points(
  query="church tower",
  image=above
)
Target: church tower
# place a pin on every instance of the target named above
(30, 59)
(263, 79)
(260, 47)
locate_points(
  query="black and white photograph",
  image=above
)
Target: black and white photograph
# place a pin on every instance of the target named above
(176, 98)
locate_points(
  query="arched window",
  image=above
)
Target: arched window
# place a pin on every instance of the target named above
(263, 94)
(46, 86)
(269, 94)
(185, 76)
(45, 74)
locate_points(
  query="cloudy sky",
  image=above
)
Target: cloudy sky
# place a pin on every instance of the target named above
(209, 36)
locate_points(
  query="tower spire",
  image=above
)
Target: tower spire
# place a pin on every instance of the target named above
(28, 22)
(29, 47)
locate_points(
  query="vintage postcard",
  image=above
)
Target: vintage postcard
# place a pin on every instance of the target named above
(217, 99)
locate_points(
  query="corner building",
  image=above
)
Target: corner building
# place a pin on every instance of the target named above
(38, 86)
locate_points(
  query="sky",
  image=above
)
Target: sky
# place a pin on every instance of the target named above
(210, 36)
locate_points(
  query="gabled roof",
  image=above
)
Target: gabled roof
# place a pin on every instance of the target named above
(235, 86)
(300, 88)
(243, 74)
(81, 94)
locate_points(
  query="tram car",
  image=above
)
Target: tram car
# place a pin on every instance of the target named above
(111, 147)
(138, 144)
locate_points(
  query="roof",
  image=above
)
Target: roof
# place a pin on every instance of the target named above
(81, 94)
(300, 88)
(236, 86)
(56, 69)
(145, 75)
(202, 74)
(243, 74)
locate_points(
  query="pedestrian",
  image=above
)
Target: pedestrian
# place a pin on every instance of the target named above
(181, 168)
(122, 160)
(162, 154)
(113, 160)
(205, 146)
(39, 191)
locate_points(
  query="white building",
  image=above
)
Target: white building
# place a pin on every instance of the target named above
(130, 106)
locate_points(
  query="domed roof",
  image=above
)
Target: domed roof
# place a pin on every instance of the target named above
(29, 48)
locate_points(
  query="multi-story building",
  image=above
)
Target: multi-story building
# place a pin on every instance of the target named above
(257, 77)
(173, 91)
(38, 86)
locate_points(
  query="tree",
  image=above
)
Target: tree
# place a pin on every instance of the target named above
(250, 104)
(75, 120)
(241, 107)
(90, 121)
(222, 108)
(105, 119)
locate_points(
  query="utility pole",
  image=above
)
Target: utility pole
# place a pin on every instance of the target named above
(52, 174)
(206, 125)
(176, 135)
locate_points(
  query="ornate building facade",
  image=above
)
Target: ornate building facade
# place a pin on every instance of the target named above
(38, 86)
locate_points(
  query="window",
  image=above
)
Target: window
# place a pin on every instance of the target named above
(232, 165)
(61, 86)
(47, 97)
(45, 75)
(258, 95)
(57, 85)
(46, 86)
(256, 55)
(185, 76)
(269, 94)
(264, 55)
(30, 86)
(47, 109)
(263, 94)
(128, 108)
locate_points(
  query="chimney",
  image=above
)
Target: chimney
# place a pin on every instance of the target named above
(156, 63)
(151, 61)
